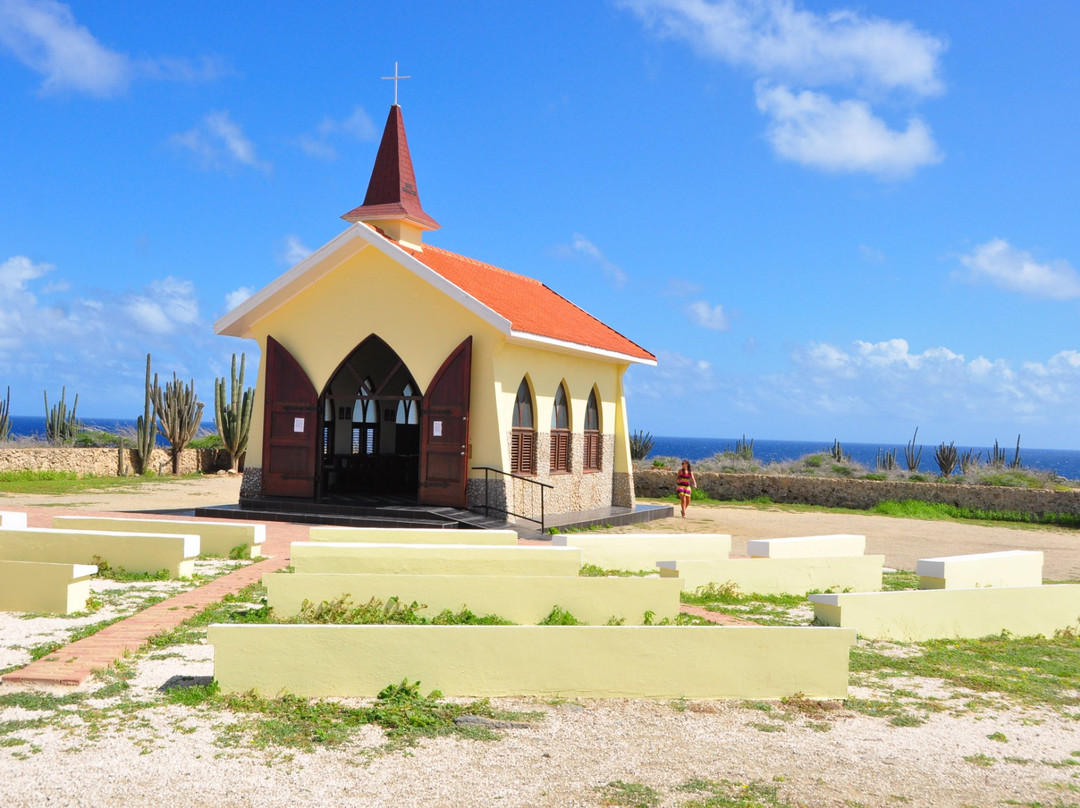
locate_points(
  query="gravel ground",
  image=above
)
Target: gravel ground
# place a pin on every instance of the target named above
(129, 747)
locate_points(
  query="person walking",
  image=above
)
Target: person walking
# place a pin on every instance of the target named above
(684, 485)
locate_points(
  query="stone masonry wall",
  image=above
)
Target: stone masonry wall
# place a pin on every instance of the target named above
(106, 462)
(860, 494)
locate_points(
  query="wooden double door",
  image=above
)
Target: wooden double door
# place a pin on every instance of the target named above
(292, 429)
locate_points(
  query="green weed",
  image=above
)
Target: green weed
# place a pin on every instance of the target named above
(631, 795)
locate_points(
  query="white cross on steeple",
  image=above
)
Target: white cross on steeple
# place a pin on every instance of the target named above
(396, 78)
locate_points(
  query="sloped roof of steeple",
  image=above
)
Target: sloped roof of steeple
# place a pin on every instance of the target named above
(391, 192)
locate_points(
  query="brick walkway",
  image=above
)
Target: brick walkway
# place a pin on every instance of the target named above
(75, 663)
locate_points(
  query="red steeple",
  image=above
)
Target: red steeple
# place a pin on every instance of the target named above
(391, 193)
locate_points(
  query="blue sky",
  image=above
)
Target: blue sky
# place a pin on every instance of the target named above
(827, 220)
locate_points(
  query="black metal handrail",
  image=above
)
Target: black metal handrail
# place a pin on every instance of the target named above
(488, 507)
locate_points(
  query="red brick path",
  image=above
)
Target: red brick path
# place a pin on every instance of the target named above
(73, 664)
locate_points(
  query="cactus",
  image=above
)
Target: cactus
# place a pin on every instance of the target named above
(178, 415)
(144, 428)
(641, 444)
(912, 456)
(969, 461)
(5, 418)
(837, 453)
(1016, 457)
(946, 457)
(995, 458)
(61, 426)
(233, 418)
(886, 460)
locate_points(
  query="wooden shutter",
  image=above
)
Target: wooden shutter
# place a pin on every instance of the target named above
(591, 460)
(560, 450)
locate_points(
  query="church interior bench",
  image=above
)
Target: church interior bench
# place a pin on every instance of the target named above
(44, 586)
(395, 535)
(525, 599)
(215, 538)
(838, 544)
(135, 552)
(776, 576)
(12, 519)
(928, 614)
(641, 551)
(434, 559)
(1006, 568)
(725, 662)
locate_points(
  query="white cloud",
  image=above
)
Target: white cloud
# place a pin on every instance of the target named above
(776, 38)
(785, 46)
(812, 129)
(168, 304)
(45, 36)
(581, 246)
(357, 126)
(294, 250)
(707, 315)
(219, 141)
(1007, 267)
(238, 296)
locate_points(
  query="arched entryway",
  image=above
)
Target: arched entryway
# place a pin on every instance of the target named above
(370, 425)
(369, 432)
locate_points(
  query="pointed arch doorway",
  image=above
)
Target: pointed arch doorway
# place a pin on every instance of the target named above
(370, 426)
(370, 432)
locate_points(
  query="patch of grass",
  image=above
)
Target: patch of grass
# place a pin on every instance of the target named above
(560, 617)
(980, 759)
(1032, 670)
(772, 610)
(917, 509)
(899, 580)
(729, 794)
(106, 570)
(630, 795)
(593, 571)
(68, 482)
(401, 710)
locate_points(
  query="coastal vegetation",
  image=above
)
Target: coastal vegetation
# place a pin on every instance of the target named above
(174, 412)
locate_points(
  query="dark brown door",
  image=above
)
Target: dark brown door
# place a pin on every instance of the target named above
(444, 431)
(291, 422)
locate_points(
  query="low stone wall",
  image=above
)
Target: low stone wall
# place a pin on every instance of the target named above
(860, 494)
(107, 462)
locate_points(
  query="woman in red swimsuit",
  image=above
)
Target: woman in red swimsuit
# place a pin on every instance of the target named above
(684, 484)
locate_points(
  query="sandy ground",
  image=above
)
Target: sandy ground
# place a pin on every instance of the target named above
(963, 752)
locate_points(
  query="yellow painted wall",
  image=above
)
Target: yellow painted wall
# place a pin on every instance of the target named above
(395, 535)
(434, 559)
(777, 576)
(215, 538)
(135, 552)
(1008, 568)
(34, 586)
(914, 616)
(641, 551)
(526, 599)
(839, 544)
(12, 519)
(730, 662)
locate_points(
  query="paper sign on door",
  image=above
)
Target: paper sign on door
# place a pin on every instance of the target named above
(436, 429)
(298, 425)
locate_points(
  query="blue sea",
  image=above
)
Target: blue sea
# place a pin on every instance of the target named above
(1066, 462)
(27, 426)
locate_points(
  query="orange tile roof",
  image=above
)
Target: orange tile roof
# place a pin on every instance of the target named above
(529, 305)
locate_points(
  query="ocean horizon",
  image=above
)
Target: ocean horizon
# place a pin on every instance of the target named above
(1064, 462)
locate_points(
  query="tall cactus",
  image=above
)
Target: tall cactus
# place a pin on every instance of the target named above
(61, 426)
(144, 427)
(179, 412)
(5, 418)
(233, 418)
